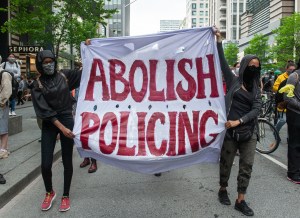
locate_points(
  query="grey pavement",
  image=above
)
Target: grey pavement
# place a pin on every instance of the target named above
(23, 164)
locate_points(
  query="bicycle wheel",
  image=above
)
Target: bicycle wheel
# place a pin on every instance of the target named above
(268, 137)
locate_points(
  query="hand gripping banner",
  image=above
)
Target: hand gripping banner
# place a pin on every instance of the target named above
(151, 103)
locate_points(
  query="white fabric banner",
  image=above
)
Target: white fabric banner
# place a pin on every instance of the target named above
(151, 103)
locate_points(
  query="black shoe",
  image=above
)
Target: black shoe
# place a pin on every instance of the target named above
(243, 207)
(157, 174)
(2, 180)
(223, 197)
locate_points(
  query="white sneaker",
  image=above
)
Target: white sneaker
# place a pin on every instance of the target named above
(3, 154)
(10, 114)
(13, 113)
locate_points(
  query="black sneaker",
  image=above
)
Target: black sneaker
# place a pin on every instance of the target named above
(243, 207)
(223, 197)
(157, 174)
(2, 180)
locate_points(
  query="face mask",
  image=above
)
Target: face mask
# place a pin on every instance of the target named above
(290, 71)
(11, 60)
(49, 68)
(251, 73)
(237, 70)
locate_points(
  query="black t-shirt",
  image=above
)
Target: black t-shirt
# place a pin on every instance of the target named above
(241, 104)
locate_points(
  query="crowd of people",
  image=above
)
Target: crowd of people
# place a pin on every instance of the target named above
(243, 86)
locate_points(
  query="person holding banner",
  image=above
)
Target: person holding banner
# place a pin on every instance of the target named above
(243, 103)
(52, 103)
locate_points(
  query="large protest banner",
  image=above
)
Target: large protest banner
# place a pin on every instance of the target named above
(151, 103)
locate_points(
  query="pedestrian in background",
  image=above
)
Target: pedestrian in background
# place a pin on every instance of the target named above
(292, 96)
(290, 68)
(20, 91)
(243, 103)
(52, 102)
(5, 92)
(12, 66)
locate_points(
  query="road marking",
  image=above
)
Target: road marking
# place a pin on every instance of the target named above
(274, 160)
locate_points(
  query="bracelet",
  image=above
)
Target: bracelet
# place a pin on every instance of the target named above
(241, 121)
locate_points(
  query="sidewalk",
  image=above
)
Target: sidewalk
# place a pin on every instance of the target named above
(23, 164)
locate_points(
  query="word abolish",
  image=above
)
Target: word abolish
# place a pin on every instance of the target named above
(172, 91)
(173, 144)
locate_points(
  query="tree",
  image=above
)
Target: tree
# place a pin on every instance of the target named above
(230, 51)
(259, 46)
(287, 46)
(57, 23)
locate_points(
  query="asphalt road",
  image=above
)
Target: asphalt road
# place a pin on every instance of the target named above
(187, 192)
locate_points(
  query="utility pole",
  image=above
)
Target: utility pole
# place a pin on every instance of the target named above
(124, 6)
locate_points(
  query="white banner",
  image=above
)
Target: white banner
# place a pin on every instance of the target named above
(151, 103)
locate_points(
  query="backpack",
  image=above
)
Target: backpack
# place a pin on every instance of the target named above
(14, 84)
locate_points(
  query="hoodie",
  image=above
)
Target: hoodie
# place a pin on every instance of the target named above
(234, 84)
(51, 93)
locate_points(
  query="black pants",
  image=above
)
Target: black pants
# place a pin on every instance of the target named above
(49, 133)
(20, 100)
(293, 121)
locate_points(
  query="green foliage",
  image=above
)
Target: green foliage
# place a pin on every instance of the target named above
(57, 23)
(259, 46)
(287, 46)
(230, 51)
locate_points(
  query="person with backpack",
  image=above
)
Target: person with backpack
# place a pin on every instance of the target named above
(243, 105)
(292, 96)
(5, 92)
(279, 100)
(13, 67)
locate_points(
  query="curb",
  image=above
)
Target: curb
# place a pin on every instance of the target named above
(18, 186)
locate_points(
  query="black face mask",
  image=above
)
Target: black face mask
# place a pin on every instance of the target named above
(251, 72)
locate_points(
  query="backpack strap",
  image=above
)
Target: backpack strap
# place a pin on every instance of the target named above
(64, 76)
(39, 83)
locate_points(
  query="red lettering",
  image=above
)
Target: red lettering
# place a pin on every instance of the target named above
(154, 94)
(138, 96)
(118, 77)
(123, 149)
(141, 133)
(170, 80)
(211, 75)
(172, 134)
(86, 129)
(89, 95)
(208, 114)
(186, 95)
(150, 135)
(104, 148)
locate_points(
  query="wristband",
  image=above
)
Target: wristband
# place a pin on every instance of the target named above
(241, 121)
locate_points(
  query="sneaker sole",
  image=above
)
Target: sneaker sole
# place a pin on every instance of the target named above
(292, 180)
(45, 209)
(64, 210)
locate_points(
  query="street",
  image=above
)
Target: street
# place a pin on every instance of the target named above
(187, 192)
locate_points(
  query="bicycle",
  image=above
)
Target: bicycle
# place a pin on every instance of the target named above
(268, 137)
(268, 109)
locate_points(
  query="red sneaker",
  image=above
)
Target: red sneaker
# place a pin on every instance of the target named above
(65, 204)
(49, 198)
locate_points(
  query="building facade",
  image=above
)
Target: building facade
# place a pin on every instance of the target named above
(119, 24)
(262, 17)
(169, 25)
(225, 14)
(197, 13)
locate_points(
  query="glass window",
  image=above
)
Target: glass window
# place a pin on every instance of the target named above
(241, 7)
(194, 13)
(201, 5)
(193, 20)
(234, 5)
(234, 33)
(201, 13)
(234, 20)
(206, 5)
(201, 20)
(206, 13)
(194, 5)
